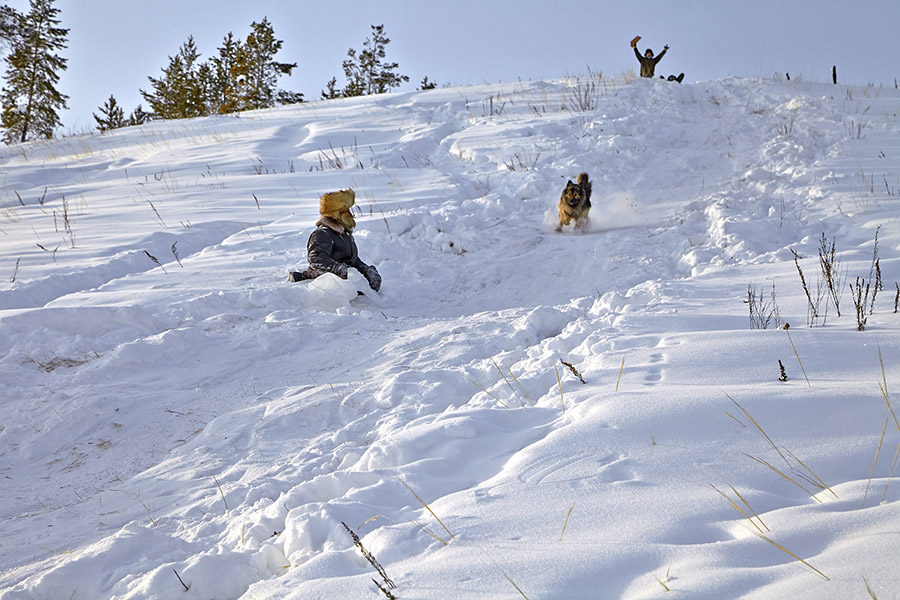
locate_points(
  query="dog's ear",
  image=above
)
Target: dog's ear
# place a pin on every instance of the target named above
(569, 183)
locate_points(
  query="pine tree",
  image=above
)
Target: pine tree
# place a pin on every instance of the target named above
(366, 71)
(331, 92)
(138, 116)
(112, 117)
(221, 86)
(30, 99)
(179, 93)
(354, 71)
(256, 69)
(241, 77)
(284, 97)
(385, 78)
(427, 85)
(10, 20)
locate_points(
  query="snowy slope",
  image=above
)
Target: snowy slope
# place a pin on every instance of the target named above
(177, 415)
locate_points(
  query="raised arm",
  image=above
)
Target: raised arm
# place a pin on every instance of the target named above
(661, 54)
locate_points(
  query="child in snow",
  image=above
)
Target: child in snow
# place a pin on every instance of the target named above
(331, 247)
(648, 62)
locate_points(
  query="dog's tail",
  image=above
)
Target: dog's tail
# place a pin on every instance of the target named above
(585, 184)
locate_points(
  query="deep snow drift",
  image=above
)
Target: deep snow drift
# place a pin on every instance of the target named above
(180, 421)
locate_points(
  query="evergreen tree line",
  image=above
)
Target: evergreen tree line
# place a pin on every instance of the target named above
(242, 76)
(29, 101)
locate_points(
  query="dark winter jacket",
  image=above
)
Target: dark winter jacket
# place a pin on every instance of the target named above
(331, 248)
(648, 65)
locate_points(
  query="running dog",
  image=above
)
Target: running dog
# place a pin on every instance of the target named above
(575, 202)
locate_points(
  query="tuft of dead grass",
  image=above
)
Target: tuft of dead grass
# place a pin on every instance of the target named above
(428, 508)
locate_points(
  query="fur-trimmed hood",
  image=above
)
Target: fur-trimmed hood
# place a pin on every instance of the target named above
(331, 223)
(336, 205)
(335, 202)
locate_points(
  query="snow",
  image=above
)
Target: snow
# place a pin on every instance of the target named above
(174, 410)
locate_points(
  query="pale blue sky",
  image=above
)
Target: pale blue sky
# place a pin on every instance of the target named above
(114, 45)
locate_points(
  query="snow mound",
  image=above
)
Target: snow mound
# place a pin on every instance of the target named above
(517, 411)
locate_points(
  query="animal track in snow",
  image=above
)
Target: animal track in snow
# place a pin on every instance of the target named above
(654, 373)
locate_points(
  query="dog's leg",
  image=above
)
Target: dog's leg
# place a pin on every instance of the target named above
(563, 219)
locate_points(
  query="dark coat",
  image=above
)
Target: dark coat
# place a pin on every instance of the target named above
(648, 65)
(331, 249)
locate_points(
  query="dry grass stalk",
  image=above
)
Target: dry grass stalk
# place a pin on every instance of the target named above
(891, 472)
(739, 509)
(862, 302)
(158, 216)
(428, 508)
(566, 522)
(739, 422)
(369, 557)
(175, 254)
(53, 256)
(386, 224)
(812, 305)
(59, 362)
(187, 588)
(515, 393)
(369, 520)
(759, 428)
(884, 390)
(874, 462)
(518, 589)
(524, 394)
(221, 492)
(429, 532)
(155, 260)
(860, 297)
(868, 589)
(52, 551)
(12, 278)
(662, 581)
(762, 311)
(799, 362)
(574, 370)
(875, 270)
(559, 383)
(619, 377)
(149, 514)
(487, 392)
(818, 482)
(785, 550)
(830, 266)
(773, 468)
(384, 591)
(882, 385)
(67, 224)
(584, 97)
(738, 494)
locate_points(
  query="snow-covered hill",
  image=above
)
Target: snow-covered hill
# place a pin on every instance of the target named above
(179, 421)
